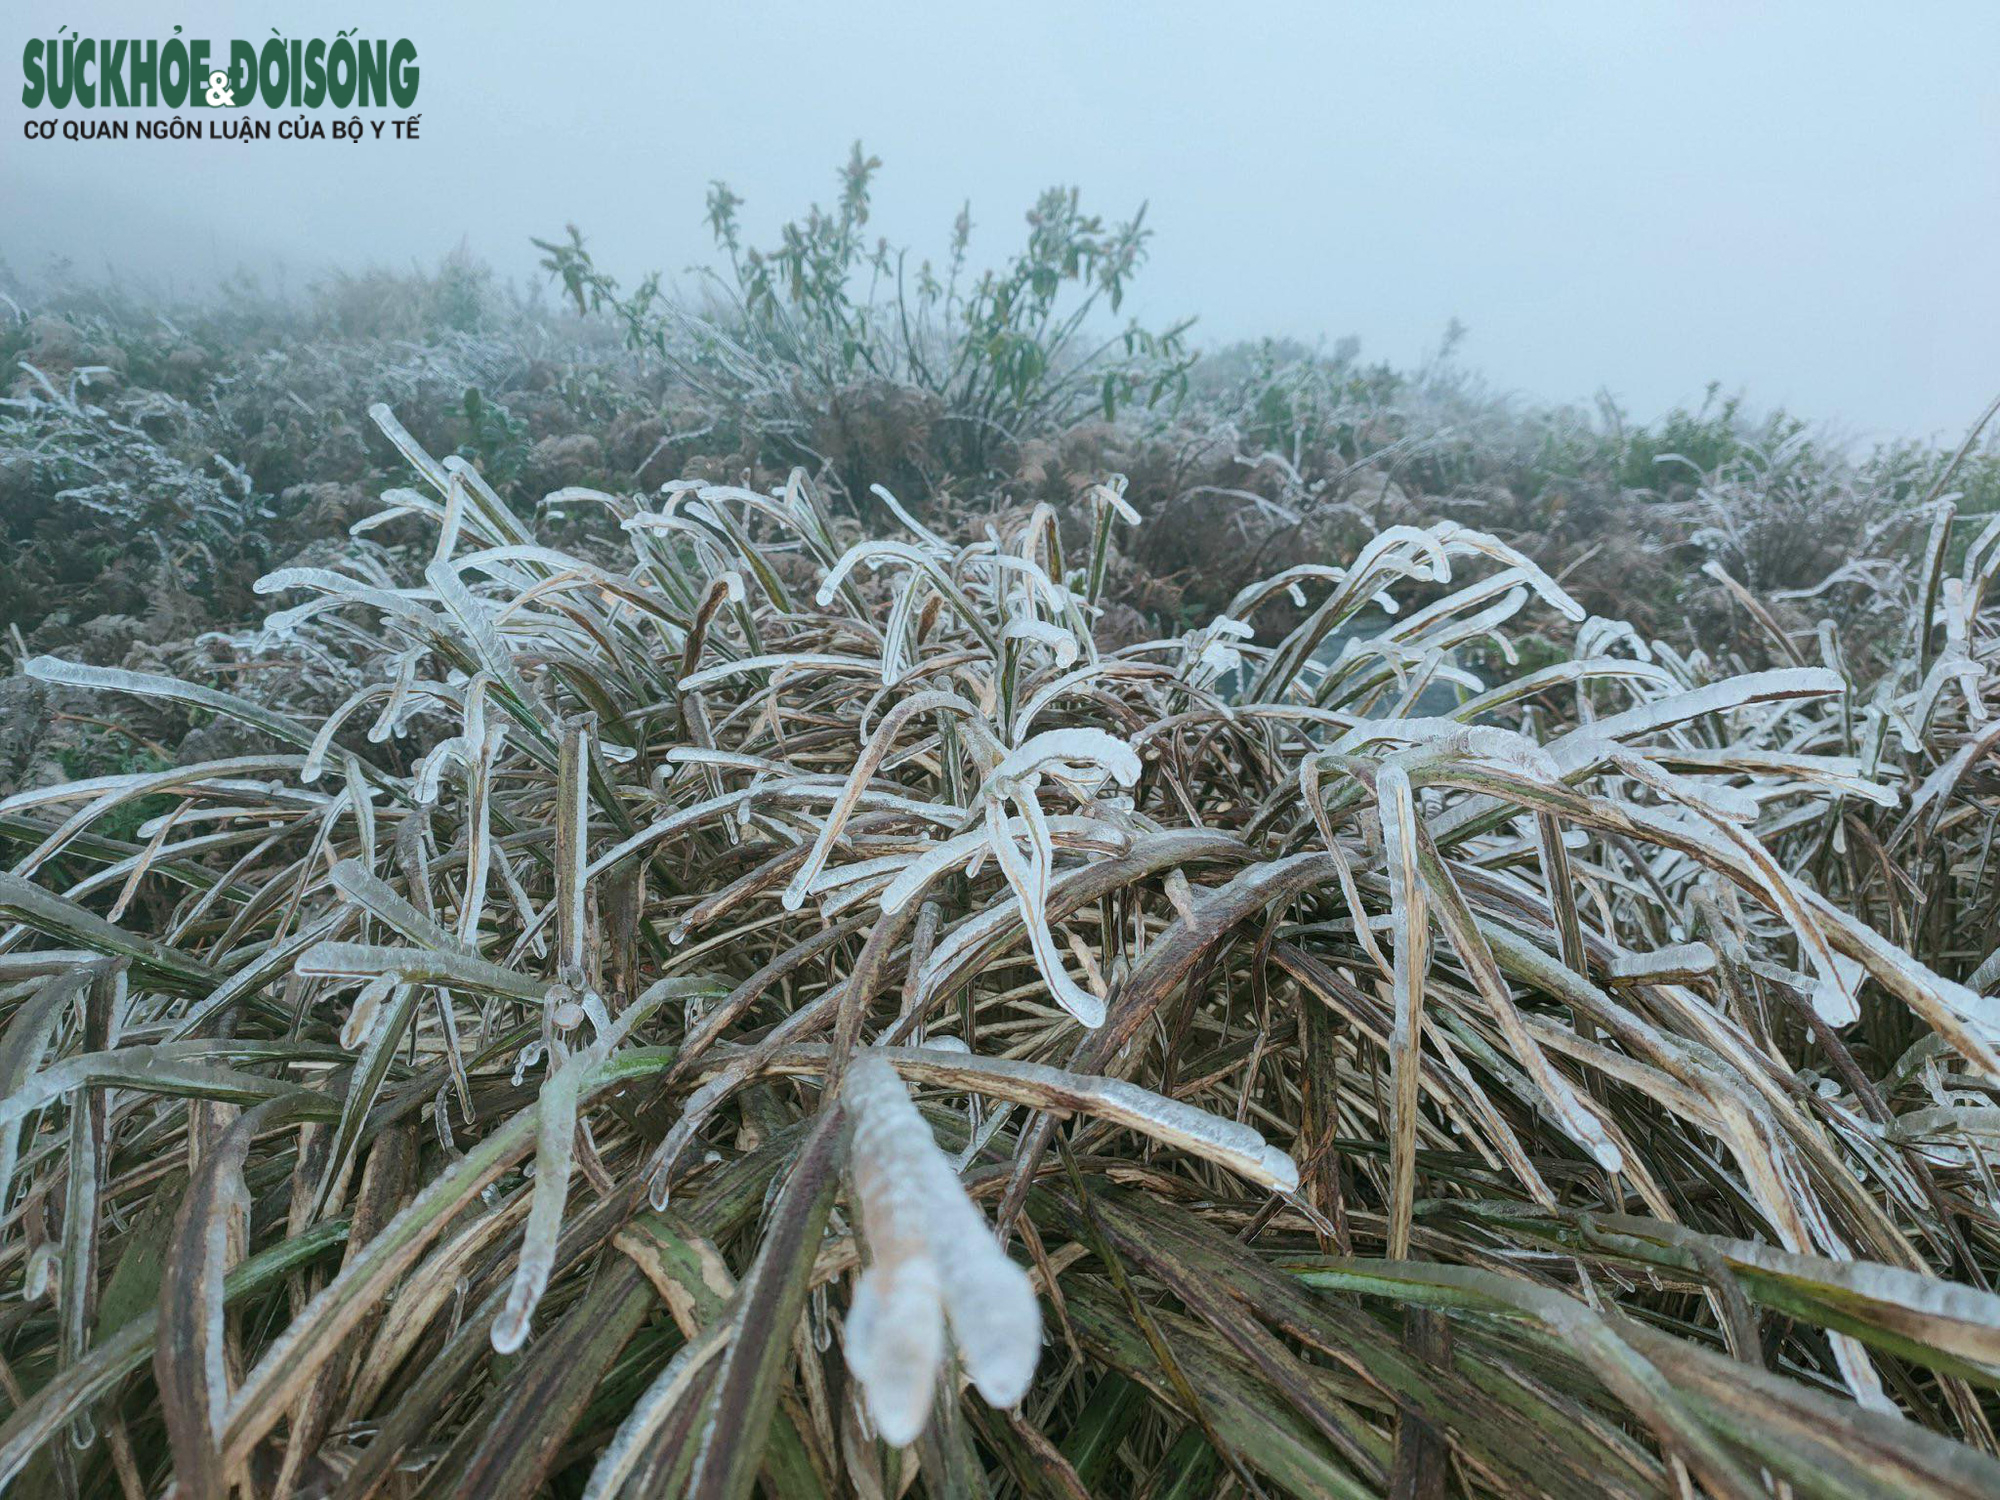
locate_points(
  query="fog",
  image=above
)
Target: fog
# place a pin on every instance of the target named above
(1799, 201)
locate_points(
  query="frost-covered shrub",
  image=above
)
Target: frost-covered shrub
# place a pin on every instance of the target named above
(790, 334)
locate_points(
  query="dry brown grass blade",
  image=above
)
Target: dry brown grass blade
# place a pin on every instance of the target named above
(770, 1300)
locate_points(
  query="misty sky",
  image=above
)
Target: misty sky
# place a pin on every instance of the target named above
(1801, 201)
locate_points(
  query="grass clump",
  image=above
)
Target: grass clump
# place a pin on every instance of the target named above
(652, 1033)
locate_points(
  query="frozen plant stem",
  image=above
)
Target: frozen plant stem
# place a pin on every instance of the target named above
(931, 1258)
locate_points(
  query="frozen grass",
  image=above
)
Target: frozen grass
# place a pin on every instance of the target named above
(656, 1034)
